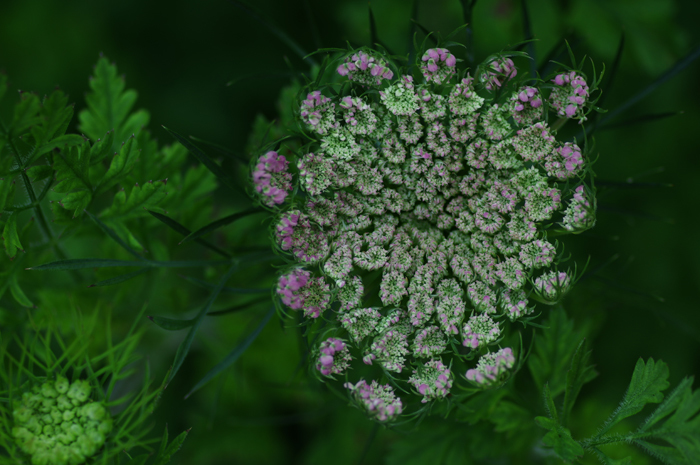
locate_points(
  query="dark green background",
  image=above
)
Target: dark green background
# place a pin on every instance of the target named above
(179, 55)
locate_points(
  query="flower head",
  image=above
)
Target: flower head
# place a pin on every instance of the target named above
(333, 357)
(271, 179)
(492, 368)
(438, 65)
(378, 401)
(432, 380)
(423, 213)
(58, 423)
(365, 68)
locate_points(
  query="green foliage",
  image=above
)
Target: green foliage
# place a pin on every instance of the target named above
(109, 106)
(675, 422)
(648, 382)
(559, 438)
(553, 352)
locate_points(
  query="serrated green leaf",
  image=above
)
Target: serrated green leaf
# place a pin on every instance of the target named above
(39, 172)
(109, 106)
(579, 374)
(121, 164)
(163, 441)
(553, 351)
(669, 455)
(140, 199)
(10, 236)
(648, 381)
(559, 438)
(164, 456)
(7, 191)
(549, 404)
(61, 142)
(55, 114)
(231, 358)
(184, 347)
(508, 416)
(681, 429)
(26, 113)
(76, 202)
(72, 178)
(102, 148)
(670, 404)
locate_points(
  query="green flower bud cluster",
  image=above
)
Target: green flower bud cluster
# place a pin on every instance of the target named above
(57, 423)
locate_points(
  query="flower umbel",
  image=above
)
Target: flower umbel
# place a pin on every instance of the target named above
(423, 212)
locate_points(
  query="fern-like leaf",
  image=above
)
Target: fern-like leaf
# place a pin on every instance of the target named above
(73, 178)
(648, 381)
(681, 429)
(109, 106)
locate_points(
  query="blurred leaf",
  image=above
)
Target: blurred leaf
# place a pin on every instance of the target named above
(553, 352)
(675, 69)
(139, 459)
(184, 231)
(184, 347)
(120, 278)
(7, 191)
(221, 149)
(648, 381)
(235, 354)
(171, 324)
(220, 223)
(40, 172)
(166, 452)
(110, 232)
(426, 446)
(216, 170)
(579, 374)
(228, 290)
(281, 35)
(559, 438)
(17, 292)
(109, 105)
(82, 263)
(73, 179)
(10, 236)
(3, 84)
(509, 417)
(26, 113)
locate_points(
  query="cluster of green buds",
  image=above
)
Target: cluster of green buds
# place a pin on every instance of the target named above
(58, 423)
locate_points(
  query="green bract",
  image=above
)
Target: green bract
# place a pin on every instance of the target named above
(57, 423)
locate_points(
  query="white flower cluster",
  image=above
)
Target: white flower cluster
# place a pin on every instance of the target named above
(443, 195)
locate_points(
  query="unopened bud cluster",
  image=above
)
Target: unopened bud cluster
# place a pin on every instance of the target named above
(421, 215)
(57, 423)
